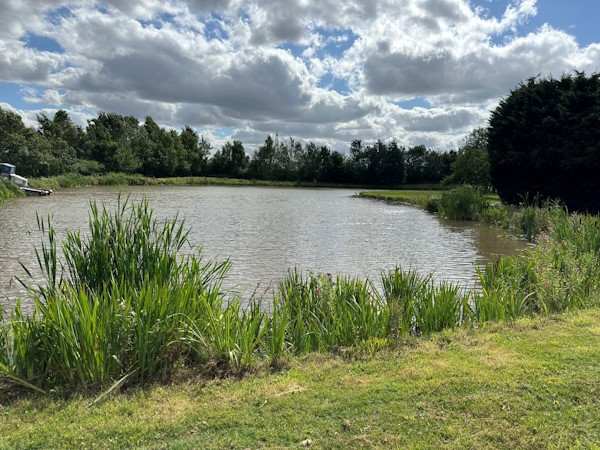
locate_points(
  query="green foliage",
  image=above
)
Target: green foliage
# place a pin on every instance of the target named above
(119, 307)
(9, 190)
(543, 140)
(381, 163)
(559, 274)
(116, 143)
(323, 313)
(432, 205)
(462, 203)
(111, 140)
(28, 150)
(472, 165)
(497, 214)
(197, 150)
(230, 160)
(427, 166)
(531, 220)
(523, 385)
(426, 199)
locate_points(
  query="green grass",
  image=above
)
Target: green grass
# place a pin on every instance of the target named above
(9, 190)
(423, 198)
(122, 179)
(532, 383)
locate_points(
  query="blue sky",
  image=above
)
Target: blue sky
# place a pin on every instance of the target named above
(577, 17)
(420, 71)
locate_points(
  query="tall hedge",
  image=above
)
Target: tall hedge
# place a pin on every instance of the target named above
(544, 138)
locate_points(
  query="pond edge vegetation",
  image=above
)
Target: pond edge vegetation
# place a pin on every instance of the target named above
(9, 190)
(75, 180)
(527, 220)
(127, 305)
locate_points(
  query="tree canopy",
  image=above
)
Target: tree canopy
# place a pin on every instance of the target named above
(116, 143)
(544, 139)
(472, 165)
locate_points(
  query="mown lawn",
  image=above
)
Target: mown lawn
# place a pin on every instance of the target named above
(534, 383)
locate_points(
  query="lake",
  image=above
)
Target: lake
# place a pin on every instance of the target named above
(265, 231)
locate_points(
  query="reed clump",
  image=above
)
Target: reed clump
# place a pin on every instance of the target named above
(561, 272)
(116, 306)
(131, 300)
(462, 203)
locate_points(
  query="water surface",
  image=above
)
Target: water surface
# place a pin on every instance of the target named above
(267, 230)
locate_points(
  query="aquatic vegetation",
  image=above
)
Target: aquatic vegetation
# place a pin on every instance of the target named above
(497, 214)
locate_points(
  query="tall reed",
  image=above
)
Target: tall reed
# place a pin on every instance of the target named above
(121, 304)
(323, 313)
(462, 203)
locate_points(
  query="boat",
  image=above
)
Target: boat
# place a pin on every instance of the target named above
(8, 171)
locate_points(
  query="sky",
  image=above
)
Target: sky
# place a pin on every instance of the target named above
(328, 71)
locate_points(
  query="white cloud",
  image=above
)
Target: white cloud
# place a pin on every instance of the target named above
(21, 64)
(261, 66)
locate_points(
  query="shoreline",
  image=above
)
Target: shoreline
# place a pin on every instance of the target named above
(121, 179)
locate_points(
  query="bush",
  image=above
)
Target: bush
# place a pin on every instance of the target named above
(122, 304)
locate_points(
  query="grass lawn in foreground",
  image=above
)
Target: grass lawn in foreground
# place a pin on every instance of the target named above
(534, 383)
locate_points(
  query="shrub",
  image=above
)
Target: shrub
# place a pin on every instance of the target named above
(499, 215)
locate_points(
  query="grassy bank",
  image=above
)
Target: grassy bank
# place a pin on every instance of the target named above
(9, 190)
(532, 383)
(417, 197)
(122, 179)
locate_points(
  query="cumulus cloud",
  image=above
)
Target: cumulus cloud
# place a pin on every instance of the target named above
(21, 64)
(326, 71)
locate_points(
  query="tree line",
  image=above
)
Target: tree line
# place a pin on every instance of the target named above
(114, 143)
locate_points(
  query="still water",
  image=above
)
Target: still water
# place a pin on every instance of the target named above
(265, 231)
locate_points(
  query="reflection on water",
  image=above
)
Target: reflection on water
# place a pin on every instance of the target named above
(266, 231)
